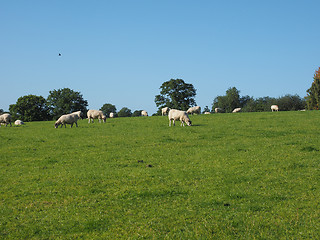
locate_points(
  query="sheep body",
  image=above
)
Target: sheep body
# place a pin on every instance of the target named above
(5, 119)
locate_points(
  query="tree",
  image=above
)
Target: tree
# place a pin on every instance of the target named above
(125, 112)
(63, 101)
(176, 94)
(313, 93)
(108, 108)
(228, 102)
(206, 109)
(30, 108)
(136, 113)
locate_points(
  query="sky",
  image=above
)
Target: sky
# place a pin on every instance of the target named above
(121, 51)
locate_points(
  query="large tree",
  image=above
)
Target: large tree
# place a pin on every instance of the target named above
(108, 108)
(30, 108)
(125, 112)
(63, 101)
(177, 94)
(313, 93)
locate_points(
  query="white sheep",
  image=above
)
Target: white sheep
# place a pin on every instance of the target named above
(274, 108)
(67, 119)
(193, 110)
(165, 110)
(178, 115)
(5, 119)
(236, 110)
(96, 114)
(18, 122)
(207, 112)
(111, 115)
(144, 113)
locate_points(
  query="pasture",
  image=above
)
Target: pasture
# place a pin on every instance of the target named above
(230, 176)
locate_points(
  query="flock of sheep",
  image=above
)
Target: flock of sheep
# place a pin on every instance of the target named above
(72, 118)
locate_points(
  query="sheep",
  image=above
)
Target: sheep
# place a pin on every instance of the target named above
(182, 116)
(144, 113)
(274, 108)
(193, 110)
(18, 122)
(111, 115)
(67, 119)
(207, 112)
(6, 119)
(96, 114)
(165, 110)
(236, 110)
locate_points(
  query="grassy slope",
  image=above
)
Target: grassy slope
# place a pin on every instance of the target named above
(246, 176)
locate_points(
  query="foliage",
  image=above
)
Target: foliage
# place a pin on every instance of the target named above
(230, 101)
(313, 93)
(1, 111)
(224, 178)
(64, 101)
(30, 108)
(176, 94)
(125, 112)
(108, 108)
(206, 109)
(137, 113)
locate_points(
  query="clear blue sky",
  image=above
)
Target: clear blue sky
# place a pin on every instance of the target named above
(121, 51)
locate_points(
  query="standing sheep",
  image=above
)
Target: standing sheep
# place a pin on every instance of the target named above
(274, 108)
(193, 110)
(182, 116)
(144, 113)
(96, 114)
(5, 119)
(67, 119)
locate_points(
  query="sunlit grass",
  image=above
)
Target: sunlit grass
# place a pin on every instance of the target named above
(230, 176)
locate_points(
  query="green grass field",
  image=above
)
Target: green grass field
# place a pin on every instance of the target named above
(230, 176)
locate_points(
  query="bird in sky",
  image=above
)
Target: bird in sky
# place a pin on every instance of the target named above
(59, 54)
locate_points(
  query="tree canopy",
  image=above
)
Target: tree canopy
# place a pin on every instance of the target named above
(313, 93)
(63, 101)
(108, 108)
(30, 108)
(177, 94)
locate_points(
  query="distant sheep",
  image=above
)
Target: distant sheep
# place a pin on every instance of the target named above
(5, 119)
(207, 112)
(67, 119)
(236, 110)
(96, 114)
(165, 110)
(144, 113)
(178, 115)
(194, 110)
(274, 108)
(18, 122)
(111, 115)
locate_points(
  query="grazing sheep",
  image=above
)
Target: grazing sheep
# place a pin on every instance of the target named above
(182, 116)
(274, 108)
(144, 113)
(5, 119)
(18, 122)
(218, 110)
(67, 119)
(236, 110)
(165, 110)
(193, 110)
(207, 112)
(96, 114)
(111, 115)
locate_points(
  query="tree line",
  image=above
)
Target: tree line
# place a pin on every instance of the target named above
(174, 93)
